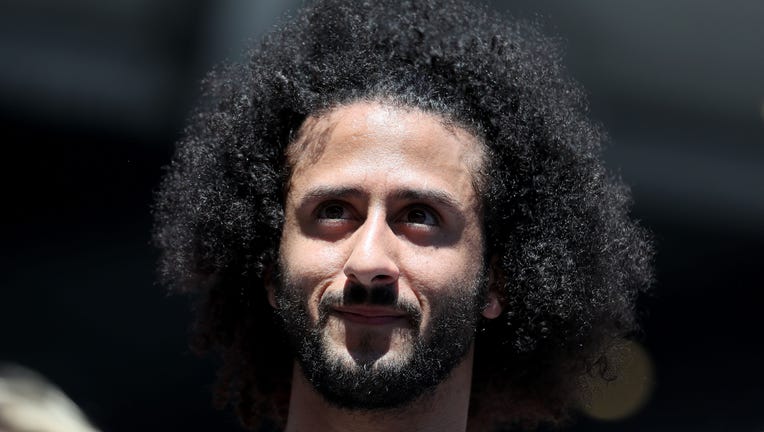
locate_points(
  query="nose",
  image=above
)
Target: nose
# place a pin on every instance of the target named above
(372, 261)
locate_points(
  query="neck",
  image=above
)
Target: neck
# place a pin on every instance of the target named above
(444, 410)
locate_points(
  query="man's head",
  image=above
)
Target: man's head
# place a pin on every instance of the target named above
(388, 175)
(381, 264)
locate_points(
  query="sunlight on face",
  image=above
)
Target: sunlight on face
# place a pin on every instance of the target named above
(382, 242)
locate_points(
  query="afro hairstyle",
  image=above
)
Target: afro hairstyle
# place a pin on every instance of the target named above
(569, 260)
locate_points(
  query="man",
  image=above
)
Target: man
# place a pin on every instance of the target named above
(395, 217)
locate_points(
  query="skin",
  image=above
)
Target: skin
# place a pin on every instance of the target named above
(386, 199)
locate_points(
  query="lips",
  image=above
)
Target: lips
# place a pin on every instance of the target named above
(369, 315)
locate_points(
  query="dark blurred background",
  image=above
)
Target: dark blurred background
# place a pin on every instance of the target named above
(93, 95)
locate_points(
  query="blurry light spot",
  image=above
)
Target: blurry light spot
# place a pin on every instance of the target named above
(621, 395)
(29, 402)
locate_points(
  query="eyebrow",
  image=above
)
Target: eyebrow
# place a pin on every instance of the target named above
(439, 197)
(430, 195)
(327, 192)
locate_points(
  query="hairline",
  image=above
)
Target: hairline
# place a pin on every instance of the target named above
(310, 140)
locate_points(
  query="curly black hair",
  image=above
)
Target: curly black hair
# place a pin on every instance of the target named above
(568, 259)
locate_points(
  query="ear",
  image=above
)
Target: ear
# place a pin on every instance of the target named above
(493, 307)
(271, 296)
(270, 286)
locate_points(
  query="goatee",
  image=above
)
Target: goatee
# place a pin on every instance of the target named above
(370, 382)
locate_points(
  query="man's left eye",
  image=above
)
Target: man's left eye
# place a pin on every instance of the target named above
(420, 216)
(333, 211)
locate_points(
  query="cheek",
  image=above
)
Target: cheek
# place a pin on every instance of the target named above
(442, 273)
(310, 265)
(444, 266)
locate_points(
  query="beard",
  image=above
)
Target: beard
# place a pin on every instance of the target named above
(369, 380)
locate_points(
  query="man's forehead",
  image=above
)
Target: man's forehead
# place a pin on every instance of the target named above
(315, 132)
(406, 152)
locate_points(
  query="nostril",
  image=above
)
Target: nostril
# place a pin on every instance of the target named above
(381, 278)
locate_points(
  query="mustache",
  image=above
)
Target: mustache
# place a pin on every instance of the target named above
(357, 294)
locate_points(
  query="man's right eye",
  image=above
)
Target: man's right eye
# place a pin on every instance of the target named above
(333, 211)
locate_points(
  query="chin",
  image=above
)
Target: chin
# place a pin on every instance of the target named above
(370, 349)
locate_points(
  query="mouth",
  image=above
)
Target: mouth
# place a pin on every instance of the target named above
(374, 316)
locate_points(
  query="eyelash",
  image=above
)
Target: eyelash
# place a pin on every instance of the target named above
(429, 214)
(321, 209)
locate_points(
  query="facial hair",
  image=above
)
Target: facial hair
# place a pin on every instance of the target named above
(368, 383)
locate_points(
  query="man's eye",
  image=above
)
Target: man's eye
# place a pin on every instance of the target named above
(420, 216)
(333, 211)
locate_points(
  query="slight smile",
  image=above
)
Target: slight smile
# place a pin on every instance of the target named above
(369, 315)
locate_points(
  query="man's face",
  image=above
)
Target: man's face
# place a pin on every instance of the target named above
(381, 256)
